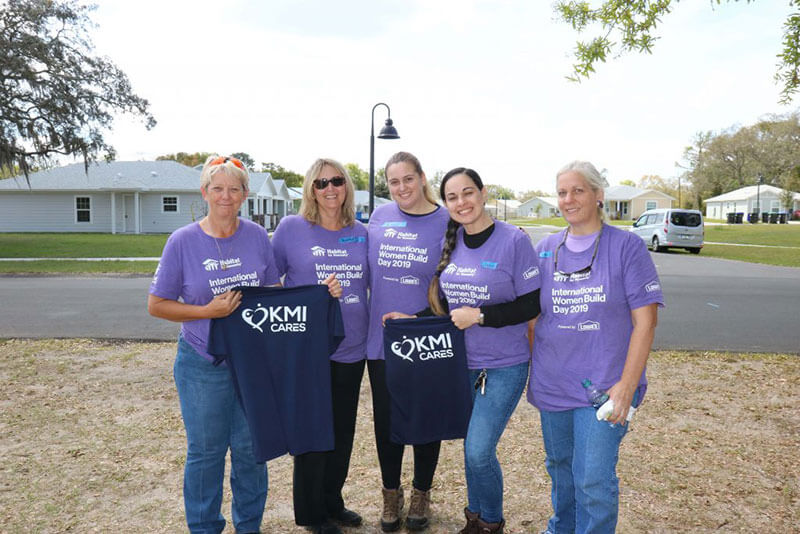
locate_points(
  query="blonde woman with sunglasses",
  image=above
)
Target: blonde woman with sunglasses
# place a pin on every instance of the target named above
(325, 239)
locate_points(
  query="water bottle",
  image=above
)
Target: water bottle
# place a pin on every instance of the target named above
(596, 396)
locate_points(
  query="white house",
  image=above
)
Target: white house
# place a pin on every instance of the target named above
(748, 199)
(113, 197)
(624, 202)
(362, 203)
(540, 207)
(504, 209)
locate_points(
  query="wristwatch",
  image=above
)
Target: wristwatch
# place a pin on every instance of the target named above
(480, 318)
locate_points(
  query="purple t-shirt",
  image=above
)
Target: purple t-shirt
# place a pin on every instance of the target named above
(585, 325)
(403, 253)
(502, 269)
(308, 253)
(195, 267)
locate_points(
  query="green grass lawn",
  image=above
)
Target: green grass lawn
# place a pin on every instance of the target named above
(75, 245)
(78, 267)
(786, 235)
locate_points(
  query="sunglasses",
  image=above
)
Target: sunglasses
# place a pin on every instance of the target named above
(225, 159)
(586, 269)
(322, 183)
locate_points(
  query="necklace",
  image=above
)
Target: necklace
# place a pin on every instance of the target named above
(222, 264)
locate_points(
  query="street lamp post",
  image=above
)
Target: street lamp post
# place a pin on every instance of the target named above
(387, 132)
(758, 196)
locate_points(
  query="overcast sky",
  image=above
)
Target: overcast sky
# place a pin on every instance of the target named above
(470, 83)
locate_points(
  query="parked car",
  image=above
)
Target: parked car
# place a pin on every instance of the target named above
(671, 228)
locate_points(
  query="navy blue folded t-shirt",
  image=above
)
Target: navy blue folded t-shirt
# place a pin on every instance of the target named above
(277, 345)
(428, 380)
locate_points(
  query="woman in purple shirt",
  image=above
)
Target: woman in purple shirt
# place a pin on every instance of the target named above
(200, 264)
(489, 275)
(599, 300)
(325, 240)
(404, 244)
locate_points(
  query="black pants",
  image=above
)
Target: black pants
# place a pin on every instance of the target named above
(390, 454)
(319, 476)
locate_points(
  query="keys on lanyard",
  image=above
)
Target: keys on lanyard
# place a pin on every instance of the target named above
(481, 382)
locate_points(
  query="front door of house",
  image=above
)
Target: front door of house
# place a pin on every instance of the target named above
(128, 218)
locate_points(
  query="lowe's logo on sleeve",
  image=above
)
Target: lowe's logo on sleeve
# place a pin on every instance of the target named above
(652, 286)
(545, 253)
(489, 264)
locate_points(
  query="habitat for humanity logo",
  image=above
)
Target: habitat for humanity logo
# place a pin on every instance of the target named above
(280, 318)
(329, 252)
(409, 280)
(588, 325)
(424, 347)
(211, 265)
(652, 286)
(530, 273)
(463, 271)
(390, 232)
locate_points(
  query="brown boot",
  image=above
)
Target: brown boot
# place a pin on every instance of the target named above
(393, 502)
(490, 528)
(472, 523)
(419, 510)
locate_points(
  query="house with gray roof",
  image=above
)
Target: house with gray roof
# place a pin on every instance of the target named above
(112, 197)
(539, 207)
(626, 203)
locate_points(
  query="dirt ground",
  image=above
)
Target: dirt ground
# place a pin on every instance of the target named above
(92, 441)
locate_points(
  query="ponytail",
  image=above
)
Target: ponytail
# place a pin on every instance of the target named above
(447, 250)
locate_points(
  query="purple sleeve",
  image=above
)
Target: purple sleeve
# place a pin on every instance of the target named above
(642, 286)
(168, 279)
(279, 248)
(526, 274)
(271, 274)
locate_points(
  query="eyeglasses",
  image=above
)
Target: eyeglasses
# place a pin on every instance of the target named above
(585, 270)
(322, 183)
(225, 159)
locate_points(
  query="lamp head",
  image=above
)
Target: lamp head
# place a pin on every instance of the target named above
(388, 131)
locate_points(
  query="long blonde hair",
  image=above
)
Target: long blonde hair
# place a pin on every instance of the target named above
(408, 157)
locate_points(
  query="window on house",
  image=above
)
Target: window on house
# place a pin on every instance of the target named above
(651, 205)
(251, 206)
(624, 207)
(169, 204)
(83, 209)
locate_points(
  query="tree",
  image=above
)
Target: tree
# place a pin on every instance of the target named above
(190, 160)
(498, 191)
(717, 163)
(291, 178)
(627, 182)
(359, 176)
(57, 97)
(381, 186)
(633, 24)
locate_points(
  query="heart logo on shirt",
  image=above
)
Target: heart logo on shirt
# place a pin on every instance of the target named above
(249, 317)
(404, 348)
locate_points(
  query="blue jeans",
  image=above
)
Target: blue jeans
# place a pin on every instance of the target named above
(490, 414)
(581, 458)
(214, 422)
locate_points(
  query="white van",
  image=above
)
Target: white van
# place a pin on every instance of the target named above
(671, 228)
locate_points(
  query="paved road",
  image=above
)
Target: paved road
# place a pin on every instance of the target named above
(712, 304)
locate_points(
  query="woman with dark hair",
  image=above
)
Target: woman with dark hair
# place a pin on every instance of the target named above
(600, 296)
(404, 243)
(323, 240)
(489, 275)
